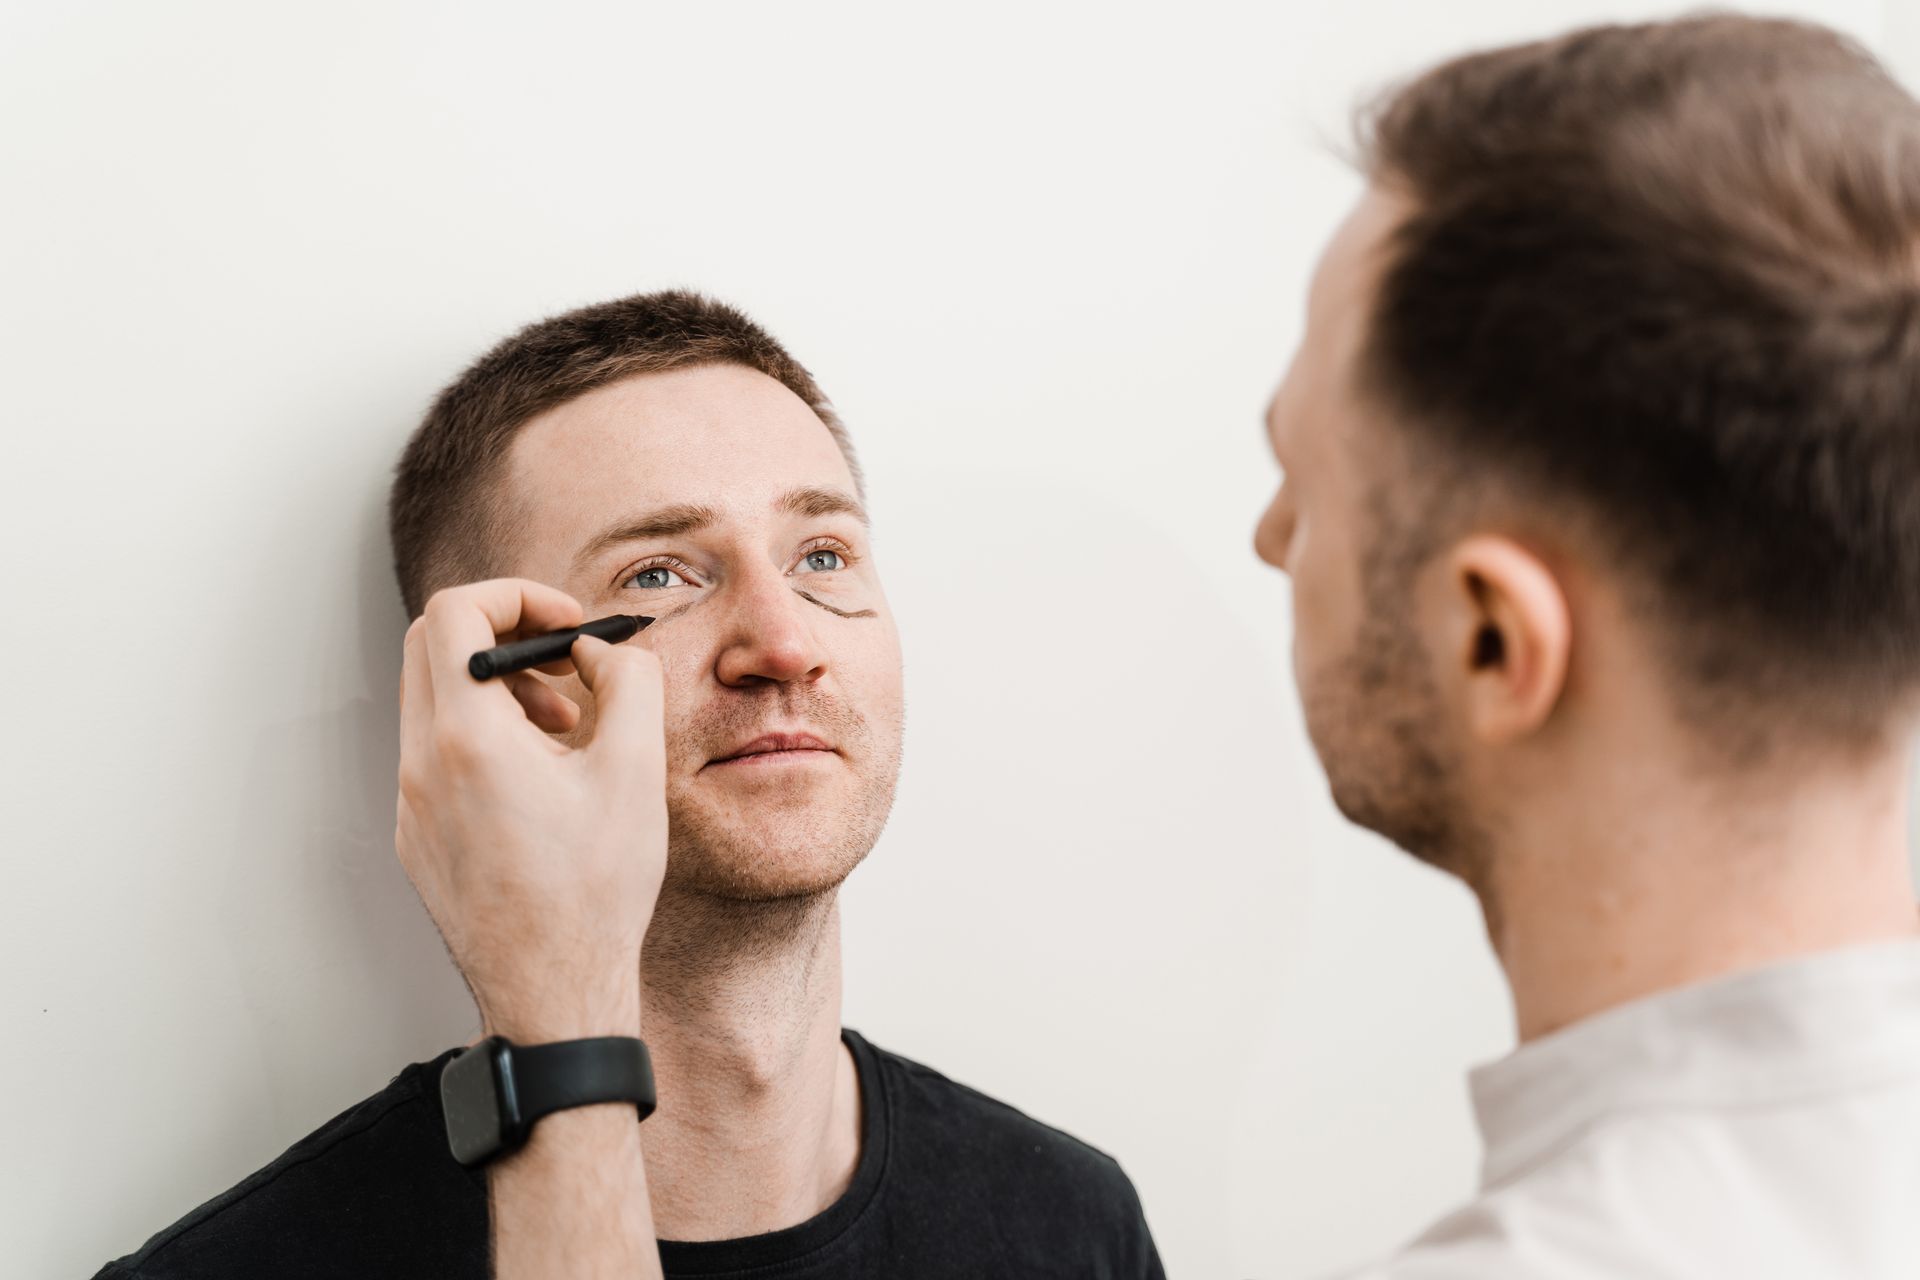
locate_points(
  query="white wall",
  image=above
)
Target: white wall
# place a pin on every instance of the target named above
(1048, 260)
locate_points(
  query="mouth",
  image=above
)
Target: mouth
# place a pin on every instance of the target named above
(771, 750)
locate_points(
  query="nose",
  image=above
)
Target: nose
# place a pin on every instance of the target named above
(1274, 531)
(768, 637)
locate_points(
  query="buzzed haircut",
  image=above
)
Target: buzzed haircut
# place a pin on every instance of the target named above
(1666, 278)
(448, 513)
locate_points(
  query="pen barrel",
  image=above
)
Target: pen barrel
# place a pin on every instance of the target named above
(537, 651)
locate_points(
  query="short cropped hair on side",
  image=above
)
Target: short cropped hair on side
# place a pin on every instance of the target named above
(1666, 277)
(447, 512)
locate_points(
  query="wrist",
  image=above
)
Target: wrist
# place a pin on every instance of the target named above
(499, 1092)
(574, 1014)
(605, 1128)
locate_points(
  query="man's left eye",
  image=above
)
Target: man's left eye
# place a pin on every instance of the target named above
(823, 561)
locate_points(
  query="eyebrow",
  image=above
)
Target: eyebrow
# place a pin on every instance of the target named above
(683, 518)
(816, 502)
(665, 522)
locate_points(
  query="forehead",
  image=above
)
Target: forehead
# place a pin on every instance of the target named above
(1351, 260)
(1339, 301)
(719, 435)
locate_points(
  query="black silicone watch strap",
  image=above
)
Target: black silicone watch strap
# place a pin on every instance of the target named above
(576, 1073)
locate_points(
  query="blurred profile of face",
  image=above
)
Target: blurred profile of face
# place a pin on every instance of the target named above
(714, 500)
(1345, 527)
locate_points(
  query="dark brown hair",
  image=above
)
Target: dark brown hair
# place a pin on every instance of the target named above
(1667, 278)
(447, 514)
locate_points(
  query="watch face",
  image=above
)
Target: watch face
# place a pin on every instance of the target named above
(472, 1103)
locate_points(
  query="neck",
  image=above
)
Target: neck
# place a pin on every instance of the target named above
(1609, 893)
(758, 1123)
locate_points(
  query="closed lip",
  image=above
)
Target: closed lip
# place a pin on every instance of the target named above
(767, 742)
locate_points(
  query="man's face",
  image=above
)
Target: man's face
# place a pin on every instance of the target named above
(714, 500)
(1345, 525)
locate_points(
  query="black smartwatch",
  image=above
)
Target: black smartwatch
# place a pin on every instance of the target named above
(494, 1092)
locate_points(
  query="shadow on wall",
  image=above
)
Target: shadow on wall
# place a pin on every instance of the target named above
(342, 972)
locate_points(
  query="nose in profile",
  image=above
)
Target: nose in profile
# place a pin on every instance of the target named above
(1274, 532)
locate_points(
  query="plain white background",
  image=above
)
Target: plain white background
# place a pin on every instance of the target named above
(1049, 260)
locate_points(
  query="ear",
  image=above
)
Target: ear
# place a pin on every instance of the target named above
(1512, 636)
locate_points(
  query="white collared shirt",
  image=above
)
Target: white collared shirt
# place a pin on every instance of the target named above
(1761, 1125)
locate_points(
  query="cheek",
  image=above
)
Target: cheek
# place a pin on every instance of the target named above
(684, 669)
(1308, 641)
(1326, 604)
(870, 662)
(681, 670)
(864, 675)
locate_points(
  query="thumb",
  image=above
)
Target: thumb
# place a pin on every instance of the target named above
(626, 685)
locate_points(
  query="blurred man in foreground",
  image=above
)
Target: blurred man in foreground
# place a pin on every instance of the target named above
(1602, 514)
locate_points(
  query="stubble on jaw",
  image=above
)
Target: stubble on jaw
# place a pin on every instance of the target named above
(1376, 716)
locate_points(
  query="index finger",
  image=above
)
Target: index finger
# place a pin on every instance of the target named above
(463, 620)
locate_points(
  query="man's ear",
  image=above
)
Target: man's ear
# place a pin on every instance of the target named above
(1511, 636)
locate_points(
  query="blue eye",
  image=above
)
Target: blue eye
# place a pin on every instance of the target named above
(655, 577)
(814, 558)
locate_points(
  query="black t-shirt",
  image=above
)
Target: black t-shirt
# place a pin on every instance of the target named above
(950, 1183)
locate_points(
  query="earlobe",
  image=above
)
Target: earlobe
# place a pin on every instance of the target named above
(1517, 633)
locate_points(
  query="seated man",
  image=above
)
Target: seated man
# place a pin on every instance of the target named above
(1602, 513)
(661, 456)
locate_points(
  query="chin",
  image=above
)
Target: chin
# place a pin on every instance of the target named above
(770, 858)
(738, 880)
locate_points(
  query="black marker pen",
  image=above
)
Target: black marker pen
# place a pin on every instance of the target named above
(554, 645)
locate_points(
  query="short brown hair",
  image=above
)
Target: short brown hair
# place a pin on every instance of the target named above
(1667, 277)
(446, 511)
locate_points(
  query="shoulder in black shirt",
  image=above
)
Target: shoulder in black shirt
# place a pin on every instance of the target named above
(950, 1183)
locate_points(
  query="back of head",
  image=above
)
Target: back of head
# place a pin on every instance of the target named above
(1666, 279)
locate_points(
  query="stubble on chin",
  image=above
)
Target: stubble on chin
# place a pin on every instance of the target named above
(782, 839)
(803, 847)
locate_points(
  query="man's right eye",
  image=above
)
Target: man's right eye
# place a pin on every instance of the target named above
(654, 577)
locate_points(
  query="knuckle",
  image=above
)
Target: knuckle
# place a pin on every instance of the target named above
(413, 785)
(454, 749)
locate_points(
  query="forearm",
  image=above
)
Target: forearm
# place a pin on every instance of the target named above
(573, 1202)
(540, 863)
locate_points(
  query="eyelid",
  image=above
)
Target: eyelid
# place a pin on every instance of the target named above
(674, 563)
(826, 542)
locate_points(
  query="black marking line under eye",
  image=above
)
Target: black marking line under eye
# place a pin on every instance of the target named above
(671, 614)
(863, 613)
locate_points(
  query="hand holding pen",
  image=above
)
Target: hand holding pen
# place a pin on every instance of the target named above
(553, 646)
(538, 860)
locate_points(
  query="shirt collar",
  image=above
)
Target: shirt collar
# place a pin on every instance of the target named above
(1825, 1022)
